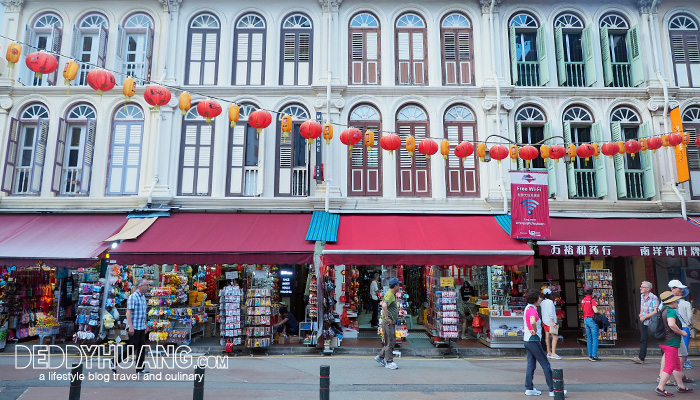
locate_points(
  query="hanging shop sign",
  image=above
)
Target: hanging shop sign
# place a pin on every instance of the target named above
(232, 275)
(529, 205)
(287, 280)
(613, 250)
(447, 281)
(682, 172)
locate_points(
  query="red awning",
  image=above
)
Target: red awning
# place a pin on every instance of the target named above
(59, 240)
(622, 237)
(220, 238)
(425, 240)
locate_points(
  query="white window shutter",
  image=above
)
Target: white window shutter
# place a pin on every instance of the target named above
(42, 134)
(56, 38)
(102, 53)
(88, 156)
(58, 160)
(8, 175)
(561, 62)
(513, 55)
(26, 76)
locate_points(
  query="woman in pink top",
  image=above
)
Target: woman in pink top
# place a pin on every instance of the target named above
(533, 346)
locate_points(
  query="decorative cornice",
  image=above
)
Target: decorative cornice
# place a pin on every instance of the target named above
(13, 5)
(490, 102)
(486, 5)
(332, 4)
(171, 5)
(645, 6)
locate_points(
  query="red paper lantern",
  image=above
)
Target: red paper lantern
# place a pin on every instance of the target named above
(528, 153)
(585, 150)
(697, 141)
(427, 147)
(351, 137)
(157, 96)
(209, 109)
(632, 147)
(464, 150)
(610, 149)
(556, 152)
(41, 63)
(101, 80)
(498, 152)
(310, 130)
(654, 143)
(392, 142)
(260, 119)
(675, 139)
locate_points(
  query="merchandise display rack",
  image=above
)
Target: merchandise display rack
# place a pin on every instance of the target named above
(504, 316)
(231, 328)
(89, 307)
(258, 319)
(601, 281)
(442, 319)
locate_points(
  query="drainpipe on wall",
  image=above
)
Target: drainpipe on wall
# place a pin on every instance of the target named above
(326, 171)
(657, 68)
(501, 182)
(160, 128)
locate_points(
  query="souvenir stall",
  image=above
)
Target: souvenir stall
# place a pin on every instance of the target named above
(89, 303)
(4, 307)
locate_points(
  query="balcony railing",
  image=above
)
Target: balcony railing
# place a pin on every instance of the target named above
(250, 181)
(621, 74)
(300, 182)
(23, 178)
(585, 184)
(528, 73)
(71, 181)
(635, 184)
(575, 73)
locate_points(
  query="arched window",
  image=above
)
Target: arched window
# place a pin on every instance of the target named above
(528, 51)
(202, 64)
(196, 152)
(89, 44)
(125, 154)
(245, 158)
(292, 172)
(586, 179)
(634, 175)
(134, 53)
(622, 62)
(365, 166)
(249, 41)
(412, 172)
(411, 50)
(26, 151)
(365, 44)
(575, 62)
(461, 177)
(44, 34)
(531, 127)
(296, 50)
(75, 151)
(691, 125)
(457, 60)
(685, 50)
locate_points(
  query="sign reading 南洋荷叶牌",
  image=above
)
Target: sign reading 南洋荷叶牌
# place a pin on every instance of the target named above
(529, 205)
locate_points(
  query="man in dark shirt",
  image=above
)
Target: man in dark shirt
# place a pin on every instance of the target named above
(288, 324)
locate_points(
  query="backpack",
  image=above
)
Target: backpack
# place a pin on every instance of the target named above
(660, 330)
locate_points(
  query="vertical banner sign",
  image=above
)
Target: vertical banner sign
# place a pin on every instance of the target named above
(682, 171)
(529, 205)
(318, 173)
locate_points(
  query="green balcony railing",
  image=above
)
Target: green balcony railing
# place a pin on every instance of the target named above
(528, 73)
(586, 184)
(575, 74)
(621, 74)
(635, 183)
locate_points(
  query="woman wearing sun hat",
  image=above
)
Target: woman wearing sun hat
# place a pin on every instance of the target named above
(670, 345)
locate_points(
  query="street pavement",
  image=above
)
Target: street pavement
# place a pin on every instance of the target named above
(352, 377)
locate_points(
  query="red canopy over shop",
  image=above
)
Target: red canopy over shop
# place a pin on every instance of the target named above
(622, 237)
(220, 238)
(59, 240)
(425, 240)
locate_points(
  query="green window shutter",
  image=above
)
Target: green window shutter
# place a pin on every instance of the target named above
(587, 39)
(647, 163)
(551, 164)
(542, 56)
(513, 56)
(607, 61)
(619, 160)
(601, 178)
(519, 140)
(637, 69)
(561, 65)
(570, 173)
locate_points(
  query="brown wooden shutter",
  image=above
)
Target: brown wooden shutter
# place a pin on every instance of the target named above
(461, 178)
(365, 167)
(413, 179)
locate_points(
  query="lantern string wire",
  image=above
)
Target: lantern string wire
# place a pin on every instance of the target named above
(279, 113)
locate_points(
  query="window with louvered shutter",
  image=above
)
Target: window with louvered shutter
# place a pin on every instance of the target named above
(410, 51)
(413, 173)
(363, 68)
(249, 48)
(202, 66)
(195, 159)
(296, 67)
(457, 60)
(685, 51)
(461, 178)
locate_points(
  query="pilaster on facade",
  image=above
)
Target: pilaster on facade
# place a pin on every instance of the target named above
(486, 5)
(330, 5)
(13, 5)
(645, 6)
(171, 5)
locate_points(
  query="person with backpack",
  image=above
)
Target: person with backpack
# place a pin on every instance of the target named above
(677, 289)
(669, 343)
(590, 308)
(648, 307)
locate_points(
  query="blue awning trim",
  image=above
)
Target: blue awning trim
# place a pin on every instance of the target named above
(148, 214)
(323, 227)
(504, 222)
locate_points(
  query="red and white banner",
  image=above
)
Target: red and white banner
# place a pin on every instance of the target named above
(529, 194)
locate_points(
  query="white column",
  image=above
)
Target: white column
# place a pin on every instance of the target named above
(11, 29)
(169, 39)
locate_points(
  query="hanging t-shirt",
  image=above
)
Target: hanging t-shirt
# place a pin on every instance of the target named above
(531, 311)
(587, 305)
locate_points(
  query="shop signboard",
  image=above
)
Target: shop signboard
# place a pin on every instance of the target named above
(569, 249)
(287, 281)
(682, 172)
(232, 275)
(529, 205)
(447, 282)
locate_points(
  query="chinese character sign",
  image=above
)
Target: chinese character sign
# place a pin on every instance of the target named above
(529, 205)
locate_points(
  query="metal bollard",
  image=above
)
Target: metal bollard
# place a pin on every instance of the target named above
(558, 378)
(76, 381)
(198, 393)
(325, 382)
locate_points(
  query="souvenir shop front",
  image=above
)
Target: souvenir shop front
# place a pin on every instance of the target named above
(225, 276)
(50, 281)
(447, 252)
(613, 255)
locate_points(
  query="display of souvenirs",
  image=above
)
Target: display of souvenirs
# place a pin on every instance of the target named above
(88, 315)
(446, 314)
(601, 282)
(230, 324)
(313, 297)
(258, 317)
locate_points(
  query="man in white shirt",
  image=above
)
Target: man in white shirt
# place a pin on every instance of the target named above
(374, 293)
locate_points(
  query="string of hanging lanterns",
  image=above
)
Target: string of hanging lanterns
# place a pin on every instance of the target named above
(157, 95)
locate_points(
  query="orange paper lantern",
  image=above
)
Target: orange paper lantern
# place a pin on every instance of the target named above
(286, 125)
(481, 151)
(14, 50)
(328, 133)
(544, 152)
(70, 71)
(234, 113)
(369, 139)
(445, 148)
(513, 149)
(185, 102)
(129, 88)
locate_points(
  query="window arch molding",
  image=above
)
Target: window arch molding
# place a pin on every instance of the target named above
(80, 111)
(46, 20)
(203, 47)
(625, 114)
(683, 29)
(410, 31)
(364, 171)
(249, 49)
(457, 38)
(364, 44)
(577, 113)
(296, 49)
(530, 113)
(33, 111)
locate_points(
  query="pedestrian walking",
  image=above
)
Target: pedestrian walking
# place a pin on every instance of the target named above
(549, 323)
(678, 289)
(390, 314)
(136, 322)
(590, 307)
(374, 292)
(670, 345)
(533, 347)
(685, 316)
(648, 307)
